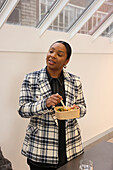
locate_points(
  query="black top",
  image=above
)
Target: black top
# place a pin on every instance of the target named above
(57, 86)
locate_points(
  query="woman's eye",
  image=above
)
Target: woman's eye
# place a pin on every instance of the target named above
(60, 55)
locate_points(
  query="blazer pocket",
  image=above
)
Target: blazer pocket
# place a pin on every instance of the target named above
(31, 130)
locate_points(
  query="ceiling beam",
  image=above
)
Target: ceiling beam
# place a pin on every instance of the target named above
(7, 10)
(102, 28)
(85, 17)
(50, 16)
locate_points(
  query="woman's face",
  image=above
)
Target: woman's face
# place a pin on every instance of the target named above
(57, 57)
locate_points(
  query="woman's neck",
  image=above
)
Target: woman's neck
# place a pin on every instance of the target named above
(54, 73)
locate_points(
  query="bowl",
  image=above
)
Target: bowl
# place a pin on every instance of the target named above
(64, 115)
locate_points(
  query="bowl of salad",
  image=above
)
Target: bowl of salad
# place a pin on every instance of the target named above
(66, 113)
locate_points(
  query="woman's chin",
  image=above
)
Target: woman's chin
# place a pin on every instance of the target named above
(51, 66)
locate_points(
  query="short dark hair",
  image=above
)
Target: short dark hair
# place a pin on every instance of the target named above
(67, 46)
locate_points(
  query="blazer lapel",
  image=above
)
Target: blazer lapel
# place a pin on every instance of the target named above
(68, 89)
(44, 84)
(46, 90)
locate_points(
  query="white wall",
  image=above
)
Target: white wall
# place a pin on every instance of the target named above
(96, 72)
(22, 51)
(25, 39)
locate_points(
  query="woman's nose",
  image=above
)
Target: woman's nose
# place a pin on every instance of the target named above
(53, 55)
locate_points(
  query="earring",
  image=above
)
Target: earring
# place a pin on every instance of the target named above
(65, 66)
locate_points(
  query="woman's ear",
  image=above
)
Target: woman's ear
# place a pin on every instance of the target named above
(66, 62)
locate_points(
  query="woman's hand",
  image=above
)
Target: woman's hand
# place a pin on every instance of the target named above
(53, 100)
(73, 106)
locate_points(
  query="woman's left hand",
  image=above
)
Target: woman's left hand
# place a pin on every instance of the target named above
(74, 106)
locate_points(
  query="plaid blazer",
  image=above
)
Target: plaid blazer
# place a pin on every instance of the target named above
(41, 139)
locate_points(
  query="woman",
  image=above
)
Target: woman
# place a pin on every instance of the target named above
(49, 143)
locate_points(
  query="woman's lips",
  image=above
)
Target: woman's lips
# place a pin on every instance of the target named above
(51, 62)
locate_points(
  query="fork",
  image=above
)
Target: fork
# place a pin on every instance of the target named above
(63, 104)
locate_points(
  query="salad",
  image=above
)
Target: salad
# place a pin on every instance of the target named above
(60, 109)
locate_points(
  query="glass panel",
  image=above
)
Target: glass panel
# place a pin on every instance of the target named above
(43, 9)
(109, 31)
(54, 24)
(14, 17)
(71, 13)
(25, 13)
(61, 20)
(2, 4)
(98, 17)
(44, 6)
(30, 12)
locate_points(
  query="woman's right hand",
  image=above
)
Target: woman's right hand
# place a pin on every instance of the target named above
(53, 100)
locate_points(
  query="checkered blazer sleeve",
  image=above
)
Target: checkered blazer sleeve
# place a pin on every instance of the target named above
(28, 105)
(80, 101)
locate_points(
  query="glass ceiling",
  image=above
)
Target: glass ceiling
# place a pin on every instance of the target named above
(70, 14)
(35, 12)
